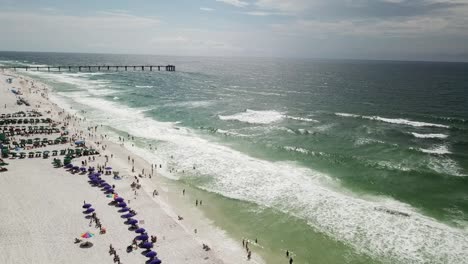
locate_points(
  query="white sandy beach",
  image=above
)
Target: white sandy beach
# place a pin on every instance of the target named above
(42, 205)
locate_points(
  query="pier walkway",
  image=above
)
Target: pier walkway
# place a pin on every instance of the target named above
(90, 68)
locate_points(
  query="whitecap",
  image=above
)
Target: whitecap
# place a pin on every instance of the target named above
(255, 117)
(399, 121)
(429, 135)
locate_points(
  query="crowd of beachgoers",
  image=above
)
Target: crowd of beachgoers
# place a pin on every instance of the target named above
(69, 153)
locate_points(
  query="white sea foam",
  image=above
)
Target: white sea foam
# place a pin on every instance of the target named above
(445, 165)
(230, 133)
(440, 149)
(144, 86)
(399, 121)
(365, 141)
(255, 117)
(296, 149)
(303, 119)
(299, 191)
(192, 104)
(429, 135)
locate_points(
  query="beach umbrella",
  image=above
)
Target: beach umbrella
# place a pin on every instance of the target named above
(78, 142)
(132, 221)
(76, 167)
(155, 261)
(119, 199)
(151, 254)
(69, 165)
(86, 205)
(87, 235)
(125, 209)
(122, 204)
(97, 174)
(108, 168)
(140, 230)
(128, 215)
(142, 237)
(107, 187)
(147, 245)
(89, 210)
(91, 169)
(83, 169)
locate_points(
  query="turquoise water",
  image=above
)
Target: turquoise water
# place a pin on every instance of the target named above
(306, 155)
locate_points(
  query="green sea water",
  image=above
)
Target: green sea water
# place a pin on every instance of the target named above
(322, 158)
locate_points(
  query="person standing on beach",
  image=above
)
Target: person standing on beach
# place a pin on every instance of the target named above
(196, 202)
(291, 260)
(183, 192)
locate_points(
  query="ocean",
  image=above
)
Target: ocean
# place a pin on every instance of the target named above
(338, 161)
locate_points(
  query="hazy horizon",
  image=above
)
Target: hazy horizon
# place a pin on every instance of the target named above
(416, 30)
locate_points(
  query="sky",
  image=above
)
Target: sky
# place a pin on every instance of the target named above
(353, 29)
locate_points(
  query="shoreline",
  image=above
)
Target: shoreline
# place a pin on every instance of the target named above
(223, 247)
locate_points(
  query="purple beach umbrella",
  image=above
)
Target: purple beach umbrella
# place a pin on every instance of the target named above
(69, 165)
(119, 199)
(129, 215)
(76, 167)
(108, 168)
(142, 237)
(140, 230)
(122, 204)
(91, 169)
(155, 261)
(83, 169)
(89, 210)
(123, 210)
(147, 245)
(132, 221)
(151, 254)
(86, 205)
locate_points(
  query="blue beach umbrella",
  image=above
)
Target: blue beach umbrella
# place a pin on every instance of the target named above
(142, 237)
(119, 199)
(83, 169)
(129, 215)
(76, 167)
(132, 221)
(155, 261)
(108, 168)
(86, 205)
(91, 169)
(151, 254)
(140, 230)
(107, 187)
(123, 210)
(147, 245)
(69, 165)
(78, 142)
(122, 204)
(89, 210)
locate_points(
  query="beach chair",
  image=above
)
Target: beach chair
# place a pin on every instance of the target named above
(38, 154)
(22, 155)
(31, 155)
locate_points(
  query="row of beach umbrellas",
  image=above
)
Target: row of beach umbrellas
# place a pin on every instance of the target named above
(96, 180)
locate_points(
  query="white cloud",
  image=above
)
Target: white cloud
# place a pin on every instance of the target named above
(237, 3)
(207, 9)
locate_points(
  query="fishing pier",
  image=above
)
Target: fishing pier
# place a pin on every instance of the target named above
(92, 68)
